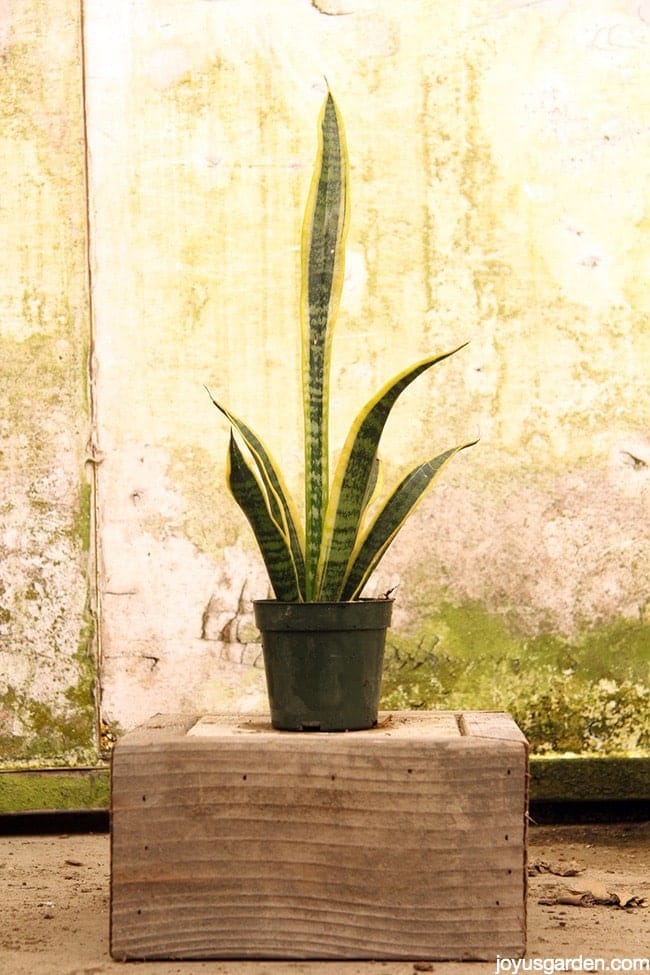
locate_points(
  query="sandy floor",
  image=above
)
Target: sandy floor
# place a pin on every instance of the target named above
(54, 908)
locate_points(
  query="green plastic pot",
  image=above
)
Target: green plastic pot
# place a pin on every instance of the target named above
(323, 662)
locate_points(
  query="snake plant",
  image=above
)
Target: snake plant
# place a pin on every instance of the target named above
(332, 558)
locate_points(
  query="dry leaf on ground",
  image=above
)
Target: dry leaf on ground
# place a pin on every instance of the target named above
(559, 869)
(592, 893)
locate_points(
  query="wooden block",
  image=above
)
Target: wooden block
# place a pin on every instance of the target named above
(232, 840)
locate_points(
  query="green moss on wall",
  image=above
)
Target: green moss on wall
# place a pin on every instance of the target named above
(42, 791)
(52, 736)
(587, 694)
(56, 735)
(85, 519)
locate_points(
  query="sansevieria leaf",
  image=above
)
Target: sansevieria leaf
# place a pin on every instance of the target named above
(323, 269)
(348, 496)
(272, 541)
(277, 498)
(390, 519)
(333, 558)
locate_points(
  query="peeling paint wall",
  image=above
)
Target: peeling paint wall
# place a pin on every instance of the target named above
(498, 195)
(47, 673)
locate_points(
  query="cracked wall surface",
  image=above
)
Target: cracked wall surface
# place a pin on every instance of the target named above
(47, 673)
(499, 195)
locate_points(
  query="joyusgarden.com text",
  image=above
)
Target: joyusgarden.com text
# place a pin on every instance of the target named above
(579, 963)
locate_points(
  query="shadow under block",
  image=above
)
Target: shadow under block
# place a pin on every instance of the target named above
(232, 840)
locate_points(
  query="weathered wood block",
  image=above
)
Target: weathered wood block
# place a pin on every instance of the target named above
(232, 840)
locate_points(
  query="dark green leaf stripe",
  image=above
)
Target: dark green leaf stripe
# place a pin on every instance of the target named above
(372, 484)
(279, 501)
(272, 543)
(323, 255)
(354, 471)
(333, 560)
(390, 519)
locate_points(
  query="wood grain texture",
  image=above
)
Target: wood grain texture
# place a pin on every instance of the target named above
(407, 842)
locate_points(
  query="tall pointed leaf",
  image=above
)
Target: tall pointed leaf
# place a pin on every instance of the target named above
(281, 506)
(270, 538)
(350, 485)
(390, 519)
(334, 559)
(323, 237)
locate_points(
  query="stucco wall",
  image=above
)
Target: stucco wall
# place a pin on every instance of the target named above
(47, 711)
(498, 195)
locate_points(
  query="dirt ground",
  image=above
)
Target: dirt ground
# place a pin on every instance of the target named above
(54, 899)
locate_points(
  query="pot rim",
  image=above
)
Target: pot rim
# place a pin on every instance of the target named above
(358, 614)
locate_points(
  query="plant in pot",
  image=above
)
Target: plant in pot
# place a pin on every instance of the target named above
(323, 643)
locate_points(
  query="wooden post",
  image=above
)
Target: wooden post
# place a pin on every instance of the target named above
(232, 840)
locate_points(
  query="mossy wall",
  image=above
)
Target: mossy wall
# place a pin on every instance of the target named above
(47, 670)
(498, 195)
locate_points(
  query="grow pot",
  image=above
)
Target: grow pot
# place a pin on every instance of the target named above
(323, 662)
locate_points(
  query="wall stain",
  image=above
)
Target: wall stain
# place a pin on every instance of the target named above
(588, 694)
(35, 733)
(539, 544)
(333, 8)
